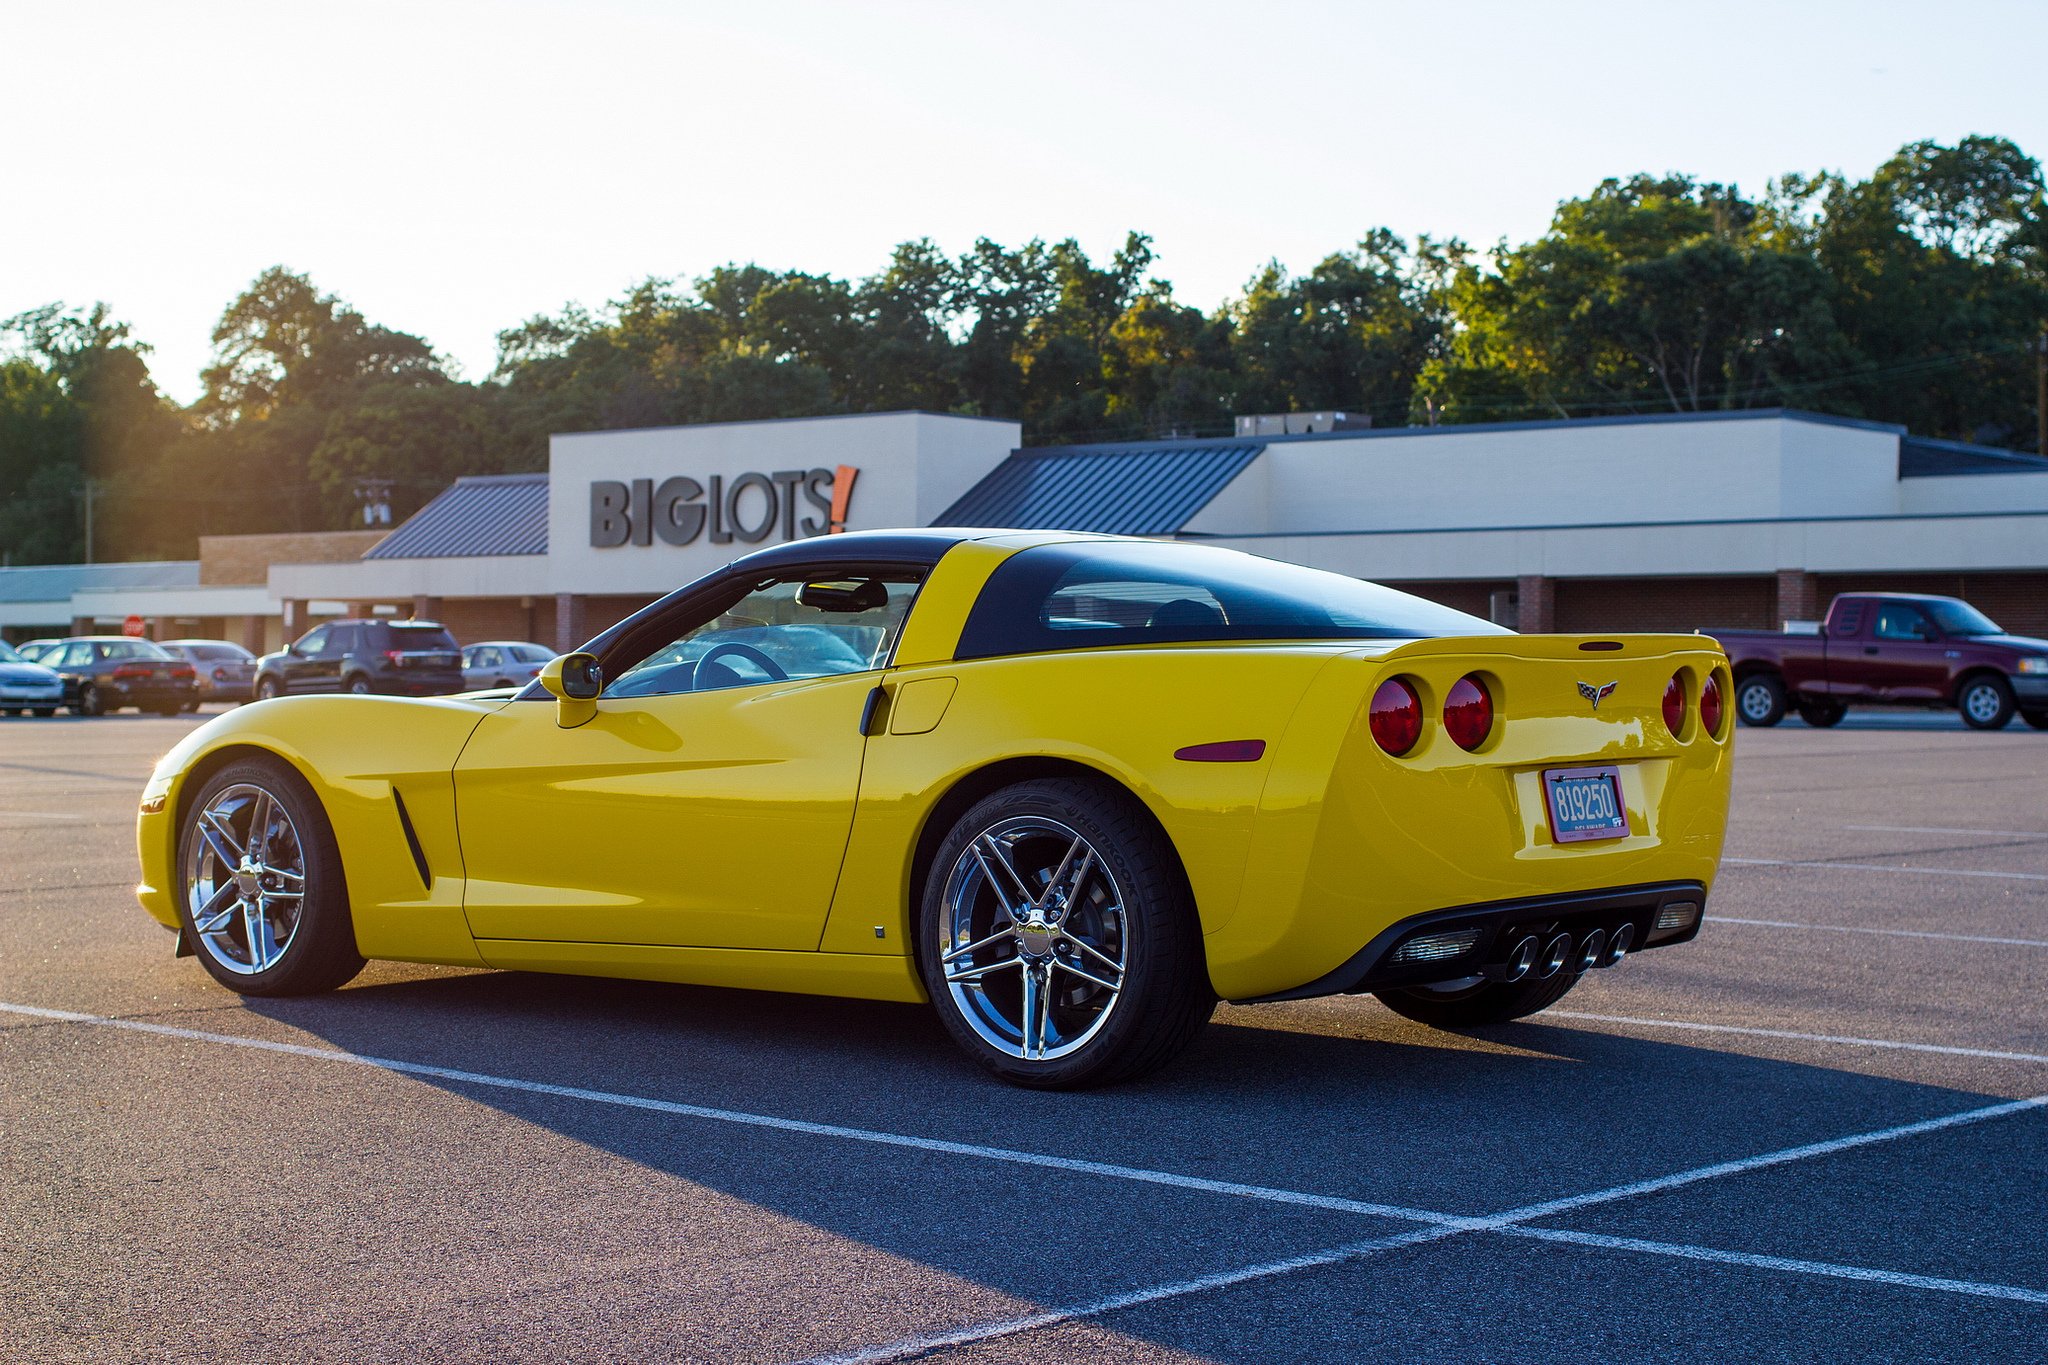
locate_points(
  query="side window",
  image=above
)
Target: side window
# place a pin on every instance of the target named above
(1902, 623)
(344, 640)
(77, 655)
(313, 641)
(1848, 619)
(789, 628)
(485, 658)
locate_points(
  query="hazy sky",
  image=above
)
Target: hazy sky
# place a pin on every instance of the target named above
(451, 167)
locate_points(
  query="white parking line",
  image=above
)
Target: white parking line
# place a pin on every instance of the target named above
(40, 815)
(1512, 1224)
(1783, 1263)
(1036, 1160)
(1880, 867)
(1437, 1225)
(1887, 1043)
(1894, 933)
(1944, 829)
(1052, 1317)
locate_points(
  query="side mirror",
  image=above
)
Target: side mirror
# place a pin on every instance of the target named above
(574, 681)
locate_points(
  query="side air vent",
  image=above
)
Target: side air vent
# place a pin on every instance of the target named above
(412, 840)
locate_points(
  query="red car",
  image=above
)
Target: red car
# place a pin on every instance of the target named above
(1890, 649)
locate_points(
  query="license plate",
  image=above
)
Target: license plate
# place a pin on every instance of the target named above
(1585, 803)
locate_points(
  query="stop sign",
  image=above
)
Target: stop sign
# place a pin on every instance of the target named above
(132, 626)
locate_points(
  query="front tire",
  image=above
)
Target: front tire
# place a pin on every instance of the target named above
(357, 685)
(264, 905)
(1495, 1002)
(1986, 702)
(1760, 700)
(90, 701)
(266, 688)
(1822, 715)
(1058, 940)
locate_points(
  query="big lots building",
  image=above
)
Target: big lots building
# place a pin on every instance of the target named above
(1629, 523)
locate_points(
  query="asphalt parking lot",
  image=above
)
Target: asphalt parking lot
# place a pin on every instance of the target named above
(1816, 1133)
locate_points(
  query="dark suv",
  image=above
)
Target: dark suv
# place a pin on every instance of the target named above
(403, 658)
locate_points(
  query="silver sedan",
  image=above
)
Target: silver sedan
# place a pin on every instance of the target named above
(502, 663)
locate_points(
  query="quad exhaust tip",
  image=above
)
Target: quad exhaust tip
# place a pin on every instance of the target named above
(1592, 951)
(1555, 956)
(1618, 944)
(1519, 961)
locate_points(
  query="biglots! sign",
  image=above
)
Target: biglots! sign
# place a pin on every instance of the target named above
(789, 504)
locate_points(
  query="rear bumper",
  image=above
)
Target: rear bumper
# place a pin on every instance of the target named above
(1500, 925)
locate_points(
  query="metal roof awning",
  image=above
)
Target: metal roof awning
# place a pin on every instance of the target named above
(479, 514)
(1136, 490)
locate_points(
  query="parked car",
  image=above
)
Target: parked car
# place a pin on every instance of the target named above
(33, 650)
(398, 658)
(503, 663)
(226, 671)
(1069, 791)
(104, 673)
(1890, 649)
(27, 686)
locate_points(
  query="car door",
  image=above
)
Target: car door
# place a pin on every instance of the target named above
(300, 662)
(707, 803)
(74, 663)
(480, 670)
(1908, 659)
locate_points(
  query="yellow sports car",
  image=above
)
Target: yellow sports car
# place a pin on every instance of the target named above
(1071, 789)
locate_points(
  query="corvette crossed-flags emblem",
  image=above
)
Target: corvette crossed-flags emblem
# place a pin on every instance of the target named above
(1596, 695)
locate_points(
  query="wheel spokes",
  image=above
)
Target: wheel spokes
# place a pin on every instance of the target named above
(262, 944)
(1069, 966)
(976, 974)
(218, 910)
(1002, 857)
(997, 937)
(220, 838)
(1037, 1009)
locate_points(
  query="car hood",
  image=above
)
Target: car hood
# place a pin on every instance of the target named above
(2025, 644)
(27, 673)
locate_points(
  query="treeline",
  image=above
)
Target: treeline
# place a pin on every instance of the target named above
(1914, 296)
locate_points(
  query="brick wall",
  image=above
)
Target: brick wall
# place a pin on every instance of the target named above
(1473, 597)
(471, 619)
(1594, 605)
(2017, 601)
(247, 559)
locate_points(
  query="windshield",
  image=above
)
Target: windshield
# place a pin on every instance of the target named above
(406, 635)
(1960, 618)
(8, 656)
(1090, 594)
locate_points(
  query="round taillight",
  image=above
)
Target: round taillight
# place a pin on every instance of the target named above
(1674, 703)
(1468, 713)
(1396, 717)
(1710, 704)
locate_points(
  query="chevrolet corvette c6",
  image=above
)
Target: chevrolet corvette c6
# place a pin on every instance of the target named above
(1070, 789)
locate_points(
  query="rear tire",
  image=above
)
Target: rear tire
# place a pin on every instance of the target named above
(90, 702)
(1822, 715)
(1090, 955)
(1986, 702)
(290, 899)
(1760, 700)
(1496, 1002)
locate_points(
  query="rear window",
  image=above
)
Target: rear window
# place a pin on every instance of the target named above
(1848, 618)
(215, 652)
(408, 637)
(530, 654)
(1089, 594)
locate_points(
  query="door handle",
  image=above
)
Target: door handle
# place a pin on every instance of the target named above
(868, 709)
(1870, 649)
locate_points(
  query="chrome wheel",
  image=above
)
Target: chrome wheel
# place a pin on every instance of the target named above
(245, 879)
(1033, 938)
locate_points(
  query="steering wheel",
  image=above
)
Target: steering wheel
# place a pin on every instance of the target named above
(747, 652)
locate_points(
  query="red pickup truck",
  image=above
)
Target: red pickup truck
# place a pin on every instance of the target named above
(1890, 649)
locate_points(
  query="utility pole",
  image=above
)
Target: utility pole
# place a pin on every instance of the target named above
(88, 520)
(2041, 391)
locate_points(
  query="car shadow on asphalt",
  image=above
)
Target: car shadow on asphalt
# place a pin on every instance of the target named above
(1386, 1112)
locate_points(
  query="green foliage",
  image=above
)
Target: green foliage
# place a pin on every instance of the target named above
(1911, 297)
